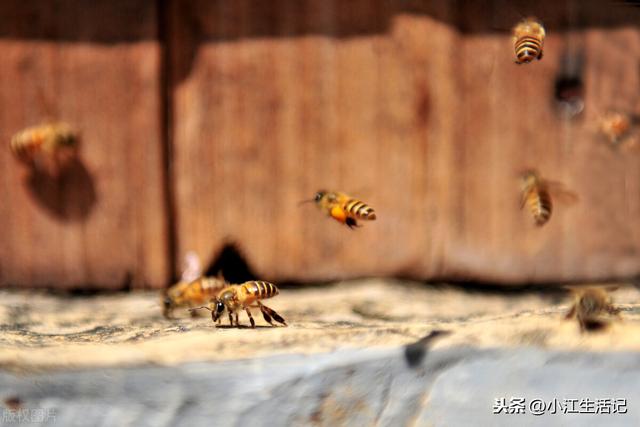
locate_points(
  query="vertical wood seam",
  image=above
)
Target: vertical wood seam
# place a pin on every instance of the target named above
(166, 130)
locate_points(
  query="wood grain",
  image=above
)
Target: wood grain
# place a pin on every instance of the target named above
(204, 123)
(103, 224)
(417, 109)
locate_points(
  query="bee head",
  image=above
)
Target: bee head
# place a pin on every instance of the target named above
(529, 177)
(218, 309)
(68, 140)
(319, 195)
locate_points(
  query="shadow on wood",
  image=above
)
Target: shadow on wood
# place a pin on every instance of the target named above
(69, 197)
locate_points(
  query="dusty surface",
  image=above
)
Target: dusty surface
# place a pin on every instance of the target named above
(42, 331)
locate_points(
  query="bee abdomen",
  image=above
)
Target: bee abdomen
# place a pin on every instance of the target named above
(527, 48)
(360, 210)
(541, 207)
(24, 144)
(264, 290)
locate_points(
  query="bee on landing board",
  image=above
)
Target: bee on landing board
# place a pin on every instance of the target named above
(592, 307)
(47, 145)
(536, 196)
(234, 298)
(343, 208)
(528, 40)
(193, 289)
(191, 294)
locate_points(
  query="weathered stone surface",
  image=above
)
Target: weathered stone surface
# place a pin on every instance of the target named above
(41, 331)
(455, 386)
(113, 360)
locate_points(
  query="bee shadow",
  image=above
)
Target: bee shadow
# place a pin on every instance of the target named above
(595, 325)
(245, 327)
(69, 196)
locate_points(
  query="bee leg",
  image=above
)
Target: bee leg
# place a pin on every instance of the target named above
(253, 322)
(266, 317)
(614, 311)
(583, 324)
(230, 319)
(268, 313)
(571, 312)
(351, 223)
(237, 319)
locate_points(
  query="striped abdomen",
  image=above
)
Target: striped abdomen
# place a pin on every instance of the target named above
(260, 289)
(527, 49)
(540, 206)
(24, 144)
(359, 210)
(211, 285)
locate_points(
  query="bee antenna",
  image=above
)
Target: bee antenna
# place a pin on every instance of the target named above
(302, 202)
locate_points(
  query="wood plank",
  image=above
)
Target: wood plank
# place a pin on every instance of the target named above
(418, 109)
(95, 65)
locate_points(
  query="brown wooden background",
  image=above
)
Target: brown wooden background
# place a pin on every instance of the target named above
(205, 122)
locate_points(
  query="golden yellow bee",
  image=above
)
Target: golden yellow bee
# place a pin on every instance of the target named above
(44, 143)
(234, 298)
(536, 195)
(191, 294)
(615, 127)
(343, 208)
(592, 307)
(193, 288)
(528, 40)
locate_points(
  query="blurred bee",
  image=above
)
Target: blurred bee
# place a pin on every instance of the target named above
(528, 40)
(234, 298)
(592, 306)
(193, 289)
(343, 208)
(536, 195)
(616, 127)
(46, 143)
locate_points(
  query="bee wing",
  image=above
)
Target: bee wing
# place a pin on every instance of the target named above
(630, 143)
(560, 192)
(192, 267)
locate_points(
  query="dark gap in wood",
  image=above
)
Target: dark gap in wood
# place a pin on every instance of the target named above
(166, 131)
(232, 264)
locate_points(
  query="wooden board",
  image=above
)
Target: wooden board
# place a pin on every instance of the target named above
(418, 109)
(95, 65)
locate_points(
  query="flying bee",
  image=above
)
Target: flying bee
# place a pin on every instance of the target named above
(193, 288)
(616, 127)
(343, 208)
(528, 40)
(592, 306)
(234, 298)
(536, 195)
(47, 143)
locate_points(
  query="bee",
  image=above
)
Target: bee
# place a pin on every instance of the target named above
(536, 195)
(193, 288)
(591, 307)
(616, 127)
(47, 142)
(190, 294)
(528, 40)
(234, 298)
(343, 208)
